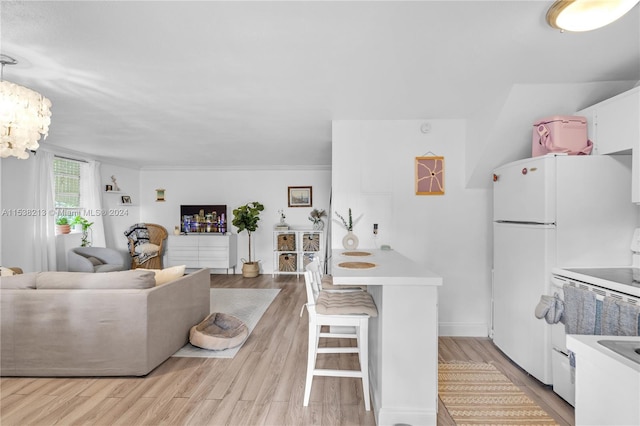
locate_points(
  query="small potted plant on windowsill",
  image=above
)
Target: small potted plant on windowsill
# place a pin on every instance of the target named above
(62, 225)
(246, 218)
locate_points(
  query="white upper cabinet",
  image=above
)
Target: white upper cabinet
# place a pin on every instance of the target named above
(614, 126)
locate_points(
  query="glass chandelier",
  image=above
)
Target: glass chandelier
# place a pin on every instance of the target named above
(25, 115)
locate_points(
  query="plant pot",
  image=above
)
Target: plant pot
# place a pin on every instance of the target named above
(250, 269)
(63, 229)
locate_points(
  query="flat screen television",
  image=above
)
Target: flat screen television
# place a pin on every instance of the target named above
(203, 218)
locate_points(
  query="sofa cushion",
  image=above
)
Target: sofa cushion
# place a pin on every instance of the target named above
(132, 279)
(19, 281)
(166, 275)
(107, 267)
(95, 261)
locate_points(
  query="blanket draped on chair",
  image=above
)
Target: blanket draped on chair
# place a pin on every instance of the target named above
(138, 235)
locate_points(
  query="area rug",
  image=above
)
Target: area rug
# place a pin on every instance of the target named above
(479, 394)
(247, 304)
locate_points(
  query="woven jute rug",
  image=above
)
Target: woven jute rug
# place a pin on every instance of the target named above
(479, 394)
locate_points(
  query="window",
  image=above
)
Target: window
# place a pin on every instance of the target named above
(67, 186)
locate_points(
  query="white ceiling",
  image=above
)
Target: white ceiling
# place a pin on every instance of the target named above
(256, 84)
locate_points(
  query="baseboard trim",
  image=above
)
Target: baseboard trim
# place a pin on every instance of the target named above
(463, 329)
(398, 416)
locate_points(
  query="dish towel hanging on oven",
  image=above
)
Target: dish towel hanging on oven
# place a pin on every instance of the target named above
(579, 310)
(620, 318)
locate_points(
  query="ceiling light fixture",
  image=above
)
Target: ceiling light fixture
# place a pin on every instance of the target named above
(586, 15)
(24, 116)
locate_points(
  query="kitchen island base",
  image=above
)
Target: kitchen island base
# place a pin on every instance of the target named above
(403, 339)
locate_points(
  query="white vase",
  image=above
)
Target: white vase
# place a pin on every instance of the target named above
(318, 225)
(350, 241)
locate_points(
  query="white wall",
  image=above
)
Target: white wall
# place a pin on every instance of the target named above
(234, 188)
(119, 217)
(17, 193)
(373, 174)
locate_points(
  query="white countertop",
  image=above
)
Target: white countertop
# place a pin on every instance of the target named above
(392, 268)
(587, 345)
(607, 384)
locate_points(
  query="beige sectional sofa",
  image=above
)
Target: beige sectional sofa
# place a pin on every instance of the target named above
(86, 324)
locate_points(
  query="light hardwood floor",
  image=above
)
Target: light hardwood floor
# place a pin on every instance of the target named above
(262, 385)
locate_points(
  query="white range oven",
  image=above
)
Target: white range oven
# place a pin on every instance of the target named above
(622, 283)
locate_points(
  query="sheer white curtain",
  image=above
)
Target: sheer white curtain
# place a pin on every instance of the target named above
(90, 191)
(44, 224)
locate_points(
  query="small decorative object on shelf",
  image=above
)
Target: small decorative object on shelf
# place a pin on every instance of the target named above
(282, 226)
(115, 184)
(126, 199)
(316, 217)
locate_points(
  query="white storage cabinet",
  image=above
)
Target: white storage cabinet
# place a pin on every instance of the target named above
(214, 251)
(614, 127)
(294, 249)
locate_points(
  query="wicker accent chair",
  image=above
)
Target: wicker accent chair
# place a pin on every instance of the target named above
(157, 235)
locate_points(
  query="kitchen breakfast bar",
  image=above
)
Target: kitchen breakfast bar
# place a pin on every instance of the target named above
(403, 339)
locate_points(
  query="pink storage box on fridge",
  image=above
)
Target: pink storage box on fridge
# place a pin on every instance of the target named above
(561, 134)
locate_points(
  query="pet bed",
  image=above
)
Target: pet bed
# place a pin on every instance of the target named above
(218, 331)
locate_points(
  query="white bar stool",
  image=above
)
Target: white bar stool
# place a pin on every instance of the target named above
(326, 281)
(338, 309)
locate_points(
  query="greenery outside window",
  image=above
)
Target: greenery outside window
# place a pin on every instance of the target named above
(67, 187)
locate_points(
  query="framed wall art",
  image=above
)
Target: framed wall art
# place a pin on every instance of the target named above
(300, 196)
(429, 175)
(160, 194)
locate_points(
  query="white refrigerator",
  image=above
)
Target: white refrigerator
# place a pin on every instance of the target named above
(555, 210)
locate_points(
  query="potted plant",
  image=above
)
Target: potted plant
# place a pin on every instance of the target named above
(246, 218)
(316, 217)
(84, 225)
(62, 225)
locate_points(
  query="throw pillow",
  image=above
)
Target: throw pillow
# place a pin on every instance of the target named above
(147, 248)
(166, 275)
(6, 272)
